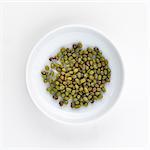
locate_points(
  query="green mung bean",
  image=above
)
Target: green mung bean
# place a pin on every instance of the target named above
(77, 74)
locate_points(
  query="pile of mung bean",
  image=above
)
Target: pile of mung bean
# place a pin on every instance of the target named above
(77, 76)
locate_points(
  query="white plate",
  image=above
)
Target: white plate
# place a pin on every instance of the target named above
(48, 46)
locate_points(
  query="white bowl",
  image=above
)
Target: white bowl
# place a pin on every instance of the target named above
(48, 46)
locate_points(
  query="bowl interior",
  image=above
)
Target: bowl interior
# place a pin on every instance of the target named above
(49, 46)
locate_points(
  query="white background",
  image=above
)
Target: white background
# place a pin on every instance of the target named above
(24, 125)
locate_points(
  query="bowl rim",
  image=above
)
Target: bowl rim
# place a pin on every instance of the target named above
(32, 52)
